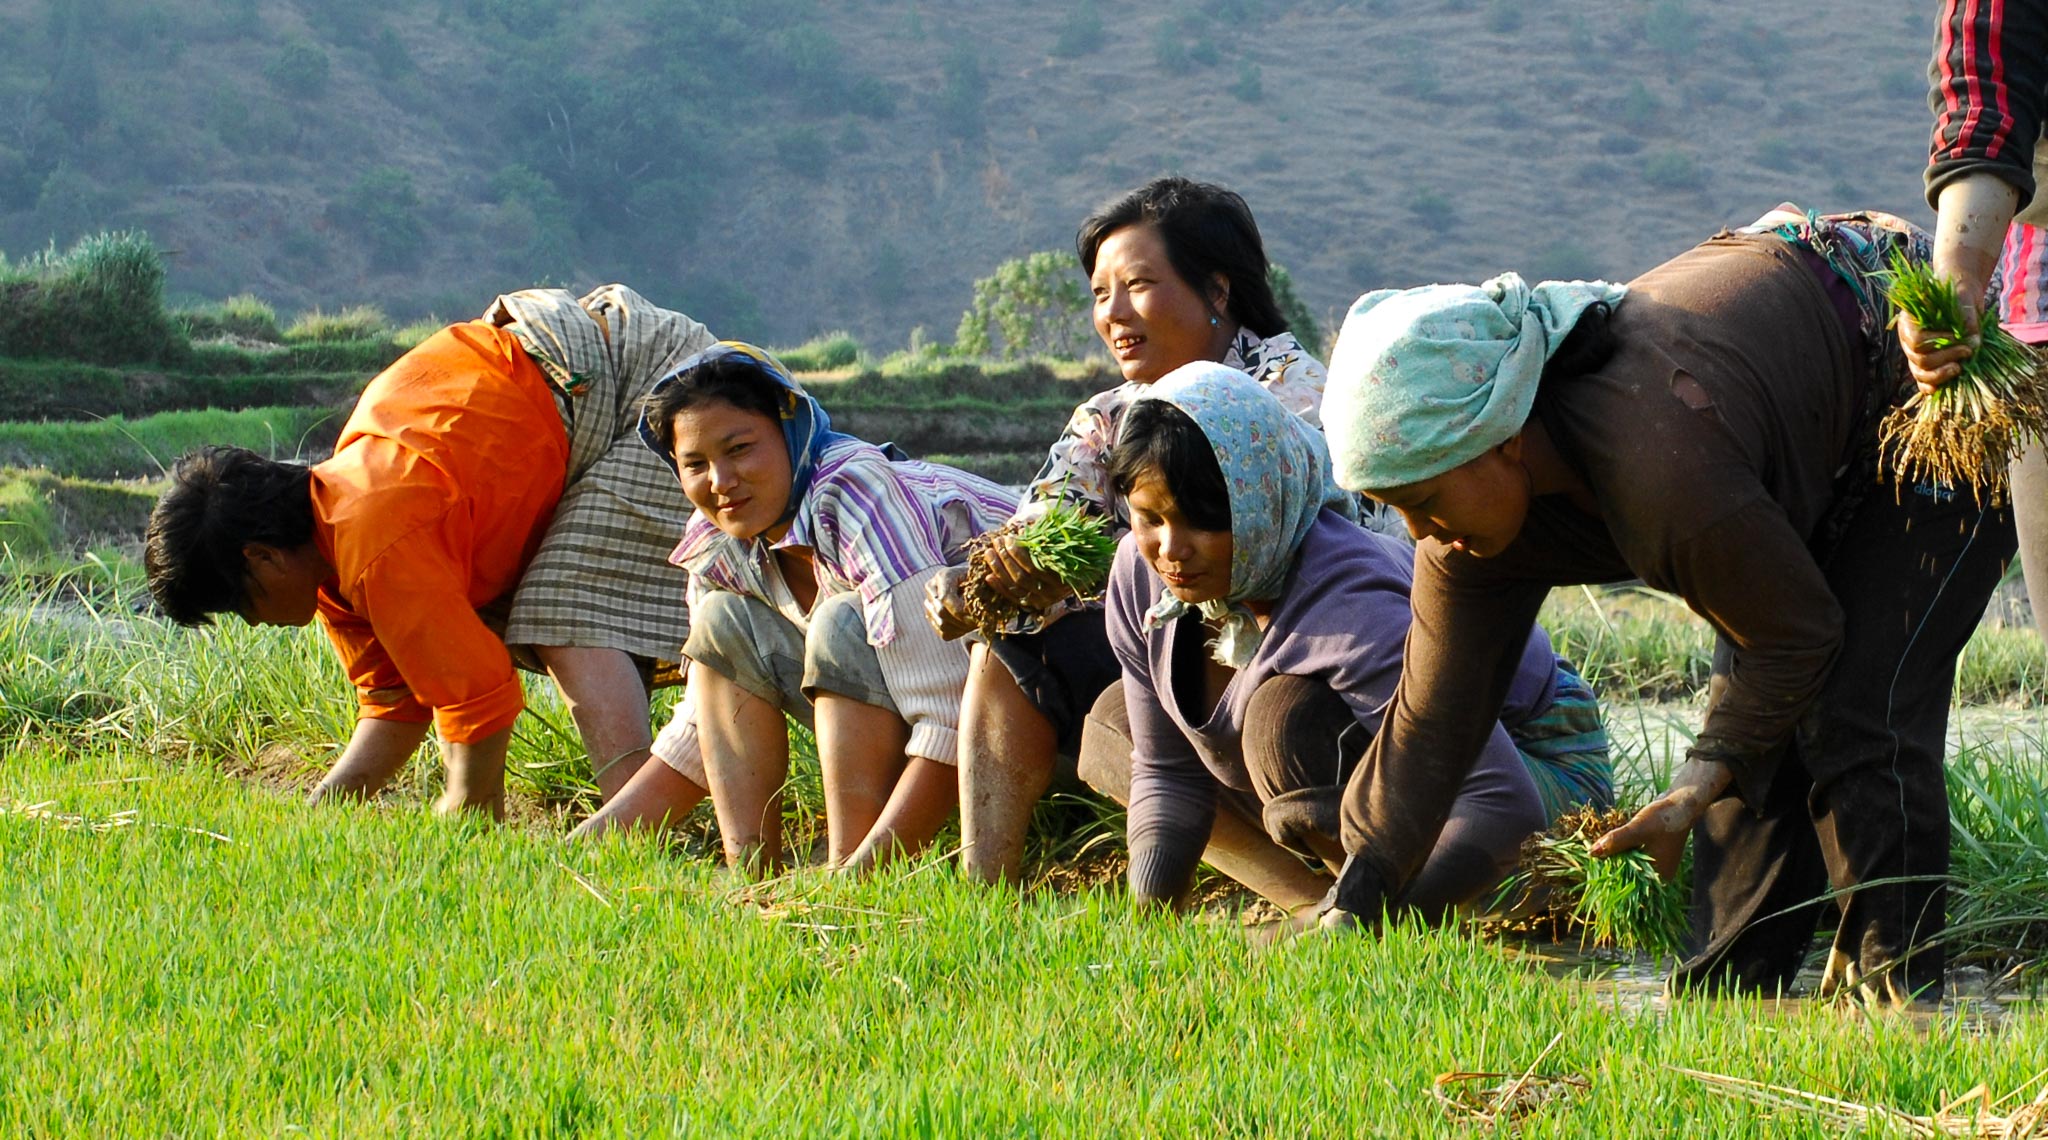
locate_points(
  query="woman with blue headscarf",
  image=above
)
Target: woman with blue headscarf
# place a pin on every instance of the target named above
(1712, 430)
(808, 558)
(1259, 630)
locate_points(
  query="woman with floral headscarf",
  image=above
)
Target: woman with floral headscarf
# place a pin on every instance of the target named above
(808, 557)
(1712, 430)
(1259, 630)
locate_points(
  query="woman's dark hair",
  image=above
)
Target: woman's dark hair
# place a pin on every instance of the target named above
(1207, 230)
(733, 379)
(1585, 348)
(220, 499)
(1158, 437)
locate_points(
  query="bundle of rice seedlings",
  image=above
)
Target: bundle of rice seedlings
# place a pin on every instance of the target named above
(1073, 546)
(1969, 430)
(1617, 902)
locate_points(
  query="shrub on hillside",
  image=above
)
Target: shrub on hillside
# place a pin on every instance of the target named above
(299, 70)
(963, 94)
(827, 353)
(1030, 306)
(1081, 32)
(1251, 84)
(1673, 170)
(382, 209)
(361, 322)
(1433, 209)
(246, 316)
(100, 301)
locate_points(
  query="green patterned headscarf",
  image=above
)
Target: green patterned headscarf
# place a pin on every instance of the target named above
(1276, 469)
(1426, 379)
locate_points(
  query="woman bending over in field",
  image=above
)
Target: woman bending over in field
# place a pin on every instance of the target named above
(1259, 630)
(1179, 274)
(808, 559)
(1711, 429)
(488, 506)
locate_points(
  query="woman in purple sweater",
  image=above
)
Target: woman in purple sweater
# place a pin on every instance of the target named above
(1260, 629)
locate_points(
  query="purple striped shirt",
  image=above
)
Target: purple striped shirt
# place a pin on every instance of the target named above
(870, 524)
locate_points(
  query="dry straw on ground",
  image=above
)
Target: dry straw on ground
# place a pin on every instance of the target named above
(1514, 1097)
(1974, 1114)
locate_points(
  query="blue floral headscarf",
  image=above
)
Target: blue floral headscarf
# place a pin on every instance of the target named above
(806, 429)
(1276, 469)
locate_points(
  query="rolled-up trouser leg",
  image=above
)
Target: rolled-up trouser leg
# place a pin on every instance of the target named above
(1301, 744)
(1912, 574)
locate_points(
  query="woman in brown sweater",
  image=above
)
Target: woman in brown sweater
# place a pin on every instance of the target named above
(1710, 430)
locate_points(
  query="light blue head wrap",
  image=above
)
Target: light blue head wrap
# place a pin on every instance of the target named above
(1426, 379)
(1277, 471)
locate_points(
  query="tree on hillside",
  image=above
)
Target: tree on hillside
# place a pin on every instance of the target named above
(1030, 306)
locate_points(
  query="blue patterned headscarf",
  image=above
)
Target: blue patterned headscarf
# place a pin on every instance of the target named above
(806, 429)
(1277, 471)
(1424, 380)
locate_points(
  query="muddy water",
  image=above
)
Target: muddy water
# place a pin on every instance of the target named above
(1974, 1000)
(1654, 736)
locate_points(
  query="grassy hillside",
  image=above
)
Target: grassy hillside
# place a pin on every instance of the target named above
(784, 167)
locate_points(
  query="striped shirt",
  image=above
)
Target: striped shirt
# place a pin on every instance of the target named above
(1989, 93)
(871, 524)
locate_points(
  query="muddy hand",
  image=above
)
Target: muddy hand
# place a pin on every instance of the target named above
(1012, 574)
(1930, 357)
(1661, 828)
(945, 606)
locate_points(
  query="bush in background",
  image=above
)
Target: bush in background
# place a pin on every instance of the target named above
(362, 322)
(827, 353)
(245, 315)
(100, 301)
(1030, 306)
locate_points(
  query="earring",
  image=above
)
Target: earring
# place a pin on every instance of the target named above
(1213, 322)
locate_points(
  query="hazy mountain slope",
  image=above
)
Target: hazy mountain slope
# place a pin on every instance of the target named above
(783, 167)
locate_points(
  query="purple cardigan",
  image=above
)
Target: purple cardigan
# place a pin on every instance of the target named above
(1341, 617)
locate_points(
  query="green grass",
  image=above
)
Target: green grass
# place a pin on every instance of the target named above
(46, 514)
(372, 972)
(117, 448)
(187, 949)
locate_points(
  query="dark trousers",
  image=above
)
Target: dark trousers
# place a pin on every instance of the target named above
(1301, 744)
(1859, 799)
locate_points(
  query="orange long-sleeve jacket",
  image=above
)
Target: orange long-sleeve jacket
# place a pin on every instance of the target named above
(442, 483)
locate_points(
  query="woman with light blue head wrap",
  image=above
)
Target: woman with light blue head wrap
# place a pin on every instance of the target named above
(1711, 429)
(1259, 630)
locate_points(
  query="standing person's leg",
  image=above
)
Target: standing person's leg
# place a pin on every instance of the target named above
(665, 789)
(1007, 757)
(2030, 512)
(607, 698)
(1238, 846)
(1913, 576)
(1859, 797)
